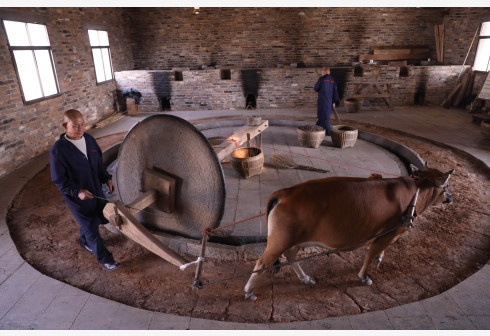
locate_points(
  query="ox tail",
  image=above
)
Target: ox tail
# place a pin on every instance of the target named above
(271, 204)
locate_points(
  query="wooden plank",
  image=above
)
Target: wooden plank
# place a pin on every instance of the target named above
(464, 85)
(135, 231)
(393, 57)
(372, 95)
(390, 47)
(406, 50)
(237, 138)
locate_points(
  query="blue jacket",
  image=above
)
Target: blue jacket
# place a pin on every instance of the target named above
(327, 95)
(71, 171)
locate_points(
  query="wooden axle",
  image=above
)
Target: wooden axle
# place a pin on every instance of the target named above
(237, 138)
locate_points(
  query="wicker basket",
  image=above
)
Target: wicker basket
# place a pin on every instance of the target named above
(310, 136)
(248, 161)
(344, 136)
(217, 140)
(485, 129)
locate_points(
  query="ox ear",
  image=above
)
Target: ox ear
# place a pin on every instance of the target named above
(446, 177)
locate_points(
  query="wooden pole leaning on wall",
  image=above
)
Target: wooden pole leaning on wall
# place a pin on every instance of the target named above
(469, 49)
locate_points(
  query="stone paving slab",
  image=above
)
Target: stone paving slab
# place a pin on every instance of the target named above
(131, 318)
(162, 321)
(97, 313)
(26, 312)
(10, 261)
(15, 287)
(371, 321)
(64, 309)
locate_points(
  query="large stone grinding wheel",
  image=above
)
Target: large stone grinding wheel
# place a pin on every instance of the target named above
(173, 146)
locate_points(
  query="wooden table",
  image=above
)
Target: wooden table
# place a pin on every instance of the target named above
(383, 90)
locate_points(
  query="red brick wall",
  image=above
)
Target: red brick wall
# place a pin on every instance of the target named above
(460, 25)
(267, 37)
(28, 130)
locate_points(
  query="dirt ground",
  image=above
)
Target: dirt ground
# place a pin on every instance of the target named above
(447, 244)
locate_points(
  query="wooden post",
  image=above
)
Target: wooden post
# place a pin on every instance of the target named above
(255, 121)
(197, 283)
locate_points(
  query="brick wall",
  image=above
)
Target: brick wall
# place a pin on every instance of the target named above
(267, 37)
(282, 87)
(460, 25)
(27, 130)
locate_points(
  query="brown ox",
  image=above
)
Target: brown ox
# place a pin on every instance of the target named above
(344, 212)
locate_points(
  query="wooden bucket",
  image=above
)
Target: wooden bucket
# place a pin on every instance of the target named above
(248, 161)
(344, 136)
(485, 129)
(351, 105)
(310, 135)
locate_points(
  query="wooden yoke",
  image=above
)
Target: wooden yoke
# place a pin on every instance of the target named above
(237, 138)
(122, 217)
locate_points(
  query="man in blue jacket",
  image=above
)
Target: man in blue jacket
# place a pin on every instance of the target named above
(327, 97)
(78, 172)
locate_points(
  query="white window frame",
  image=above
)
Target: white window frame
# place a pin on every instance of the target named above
(102, 65)
(483, 49)
(38, 75)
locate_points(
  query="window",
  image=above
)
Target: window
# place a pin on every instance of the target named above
(482, 58)
(31, 51)
(99, 41)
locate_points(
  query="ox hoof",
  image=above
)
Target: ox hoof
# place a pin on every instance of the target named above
(366, 281)
(250, 297)
(377, 261)
(307, 280)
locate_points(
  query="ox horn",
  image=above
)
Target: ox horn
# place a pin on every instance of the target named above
(414, 169)
(446, 177)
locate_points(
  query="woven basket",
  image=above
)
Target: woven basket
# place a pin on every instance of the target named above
(309, 138)
(344, 136)
(248, 161)
(485, 129)
(217, 140)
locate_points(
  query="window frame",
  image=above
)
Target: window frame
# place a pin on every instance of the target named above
(485, 37)
(100, 47)
(32, 49)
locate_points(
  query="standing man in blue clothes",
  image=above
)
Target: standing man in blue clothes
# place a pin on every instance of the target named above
(78, 172)
(327, 97)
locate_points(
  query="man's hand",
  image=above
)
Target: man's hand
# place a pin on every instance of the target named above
(84, 194)
(111, 186)
(333, 105)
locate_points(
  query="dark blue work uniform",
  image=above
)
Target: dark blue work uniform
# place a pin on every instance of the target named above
(72, 171)
(327, 95)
